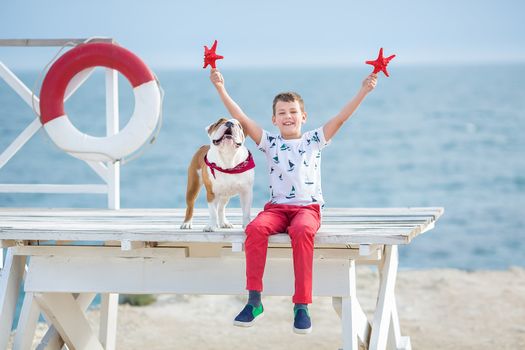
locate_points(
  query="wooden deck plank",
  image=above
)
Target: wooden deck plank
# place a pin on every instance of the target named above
(340, 225)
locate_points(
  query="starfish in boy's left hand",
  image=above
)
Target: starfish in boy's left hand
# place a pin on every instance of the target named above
(380, 63)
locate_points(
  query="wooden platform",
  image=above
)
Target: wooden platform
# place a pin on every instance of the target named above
(76, 253)
(339, 226)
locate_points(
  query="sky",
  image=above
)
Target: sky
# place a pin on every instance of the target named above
(171, 34)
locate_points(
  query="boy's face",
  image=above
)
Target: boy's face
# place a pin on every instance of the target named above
(289, 119)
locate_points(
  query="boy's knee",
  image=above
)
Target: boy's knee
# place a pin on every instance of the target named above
(256, 229)
(302, 232)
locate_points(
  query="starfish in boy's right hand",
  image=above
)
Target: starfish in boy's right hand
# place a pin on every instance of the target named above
(210, 56)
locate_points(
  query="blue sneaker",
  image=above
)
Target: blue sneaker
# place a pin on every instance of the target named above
(302, 323)
(248, 316)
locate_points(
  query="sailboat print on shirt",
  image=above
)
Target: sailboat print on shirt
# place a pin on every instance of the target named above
(271, 141)
(276, 159)
(301, 152)
(308, 181)
(285, 147)
(292, 193)
(291, 166)
(316, 137)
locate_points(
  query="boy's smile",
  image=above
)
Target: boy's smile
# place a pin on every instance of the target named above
(289, 118)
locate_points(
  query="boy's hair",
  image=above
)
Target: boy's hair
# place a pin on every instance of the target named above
(289, 96)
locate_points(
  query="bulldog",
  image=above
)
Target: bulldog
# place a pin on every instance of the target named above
(225, 168)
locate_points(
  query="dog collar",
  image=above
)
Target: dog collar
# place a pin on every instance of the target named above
(239, 168)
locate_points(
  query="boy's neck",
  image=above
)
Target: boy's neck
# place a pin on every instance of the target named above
(291, 137)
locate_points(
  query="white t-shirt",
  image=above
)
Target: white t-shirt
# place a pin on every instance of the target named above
(294, 167)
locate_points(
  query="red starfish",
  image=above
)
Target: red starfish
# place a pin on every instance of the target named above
(380, 63)
(210, 56)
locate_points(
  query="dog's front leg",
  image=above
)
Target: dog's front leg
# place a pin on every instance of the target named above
(221, 213)
(246, 198)
(213, 224)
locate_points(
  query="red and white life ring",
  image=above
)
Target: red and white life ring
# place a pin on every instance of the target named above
(141, 124)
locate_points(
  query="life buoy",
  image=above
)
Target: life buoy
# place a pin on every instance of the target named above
(141, 124)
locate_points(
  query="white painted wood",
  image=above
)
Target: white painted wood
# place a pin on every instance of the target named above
(163, 226)
(108, 323)
(386, 299)
(49, 42)
(237, 247)
(10, 279)
(20, 88)
(27, 322)
(69, 320)
(132, 245)
(41, 188)
(100, 169)
(52, 340)
(184, 276)
(19, 141)
(112, 128)
(364, 249)
(348, 314)
(109, 303)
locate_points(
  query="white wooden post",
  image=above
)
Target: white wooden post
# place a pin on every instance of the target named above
(385, 327)
(27, 322)
(52, 340)
(10, 280)
(112, 128)
(109, 302)
(69, 320)
(348, 314)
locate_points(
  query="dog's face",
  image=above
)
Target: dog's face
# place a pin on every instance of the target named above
(226, 133)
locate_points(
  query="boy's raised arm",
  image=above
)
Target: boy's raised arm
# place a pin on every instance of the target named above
(251, 128)
(332, 126)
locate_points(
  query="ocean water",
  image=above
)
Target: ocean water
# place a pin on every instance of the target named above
(449, 136)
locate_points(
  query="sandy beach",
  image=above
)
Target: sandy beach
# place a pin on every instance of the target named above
(438, 309)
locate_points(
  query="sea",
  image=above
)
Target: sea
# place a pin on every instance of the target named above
(447, 136)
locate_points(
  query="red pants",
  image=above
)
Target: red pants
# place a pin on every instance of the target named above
(301, 223)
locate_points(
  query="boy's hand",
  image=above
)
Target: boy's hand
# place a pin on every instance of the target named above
(369, 83)
(216, 78)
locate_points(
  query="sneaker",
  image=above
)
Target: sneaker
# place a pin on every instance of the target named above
(302, 323)
(248, 316)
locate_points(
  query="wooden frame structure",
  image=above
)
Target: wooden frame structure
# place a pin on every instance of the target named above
(144, 251)
(109, 172)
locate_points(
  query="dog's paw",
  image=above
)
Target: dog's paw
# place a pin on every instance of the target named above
(226, 224)
(186, 225)
(209, 228)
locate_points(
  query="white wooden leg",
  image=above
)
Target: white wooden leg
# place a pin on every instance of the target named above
(52, 340)
(12, 275)
(349, 325)
(354, 321)
(69, 320)
(385, 325)
(25, 331)
(108, 320)
(395, 340)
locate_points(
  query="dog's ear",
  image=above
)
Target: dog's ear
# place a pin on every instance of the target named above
(213, 126)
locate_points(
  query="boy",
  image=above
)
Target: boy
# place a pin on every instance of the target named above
(296, 197)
